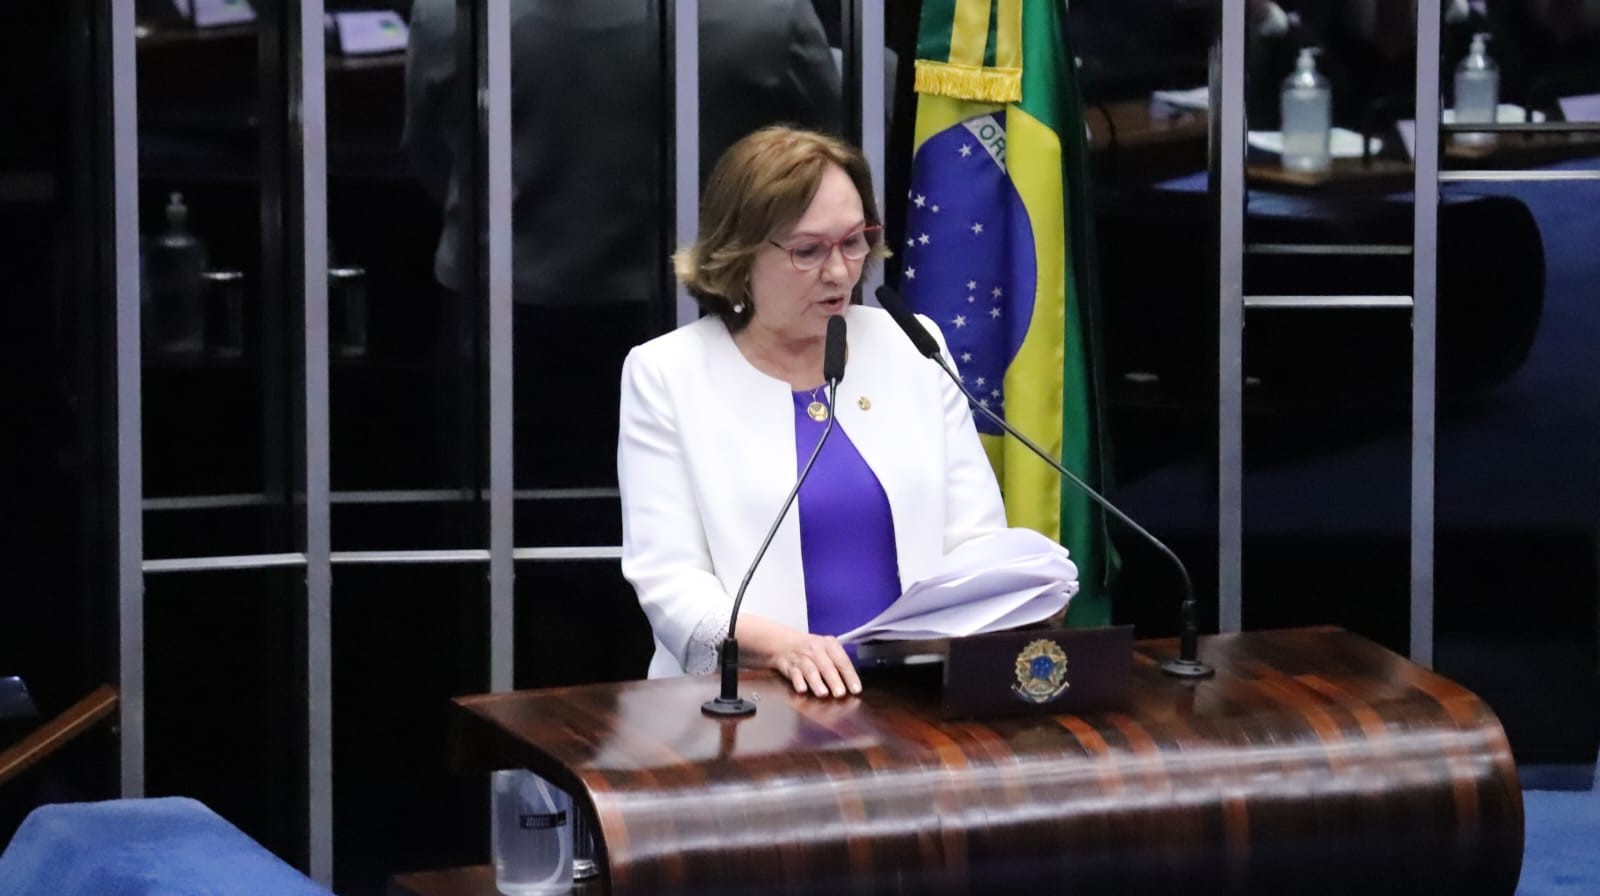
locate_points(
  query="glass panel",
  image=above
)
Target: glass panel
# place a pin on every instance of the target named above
(577, 622)
(406, 639)
(405, 369)
(1327, 381)
(589, 257)
(1547, 52)
(54, 381)
(214, 329)
(1157, 320)
(1517, 443)
(1519, 461)
(223, 690)
(1537, 64)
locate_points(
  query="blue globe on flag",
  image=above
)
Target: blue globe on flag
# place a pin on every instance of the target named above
(968, 254)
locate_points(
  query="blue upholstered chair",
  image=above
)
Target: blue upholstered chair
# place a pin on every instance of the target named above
(172, 846)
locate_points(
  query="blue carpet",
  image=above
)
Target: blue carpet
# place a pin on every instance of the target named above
(1562, 852)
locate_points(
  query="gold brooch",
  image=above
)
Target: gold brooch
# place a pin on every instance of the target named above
(864, 403)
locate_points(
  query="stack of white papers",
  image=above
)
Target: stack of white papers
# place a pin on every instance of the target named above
(1013, 577)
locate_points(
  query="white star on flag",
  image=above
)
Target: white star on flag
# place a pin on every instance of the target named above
(920, 200)
(971, 299)
(924, 239)
(966, 150)
(997, 293)
(966, 357)
(980, 381)
(994, 393)
(972, 284)
(995, 311)
(911, 273)
(960, 321)
(977, 228)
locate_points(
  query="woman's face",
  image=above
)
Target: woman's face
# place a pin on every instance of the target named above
(792, 304)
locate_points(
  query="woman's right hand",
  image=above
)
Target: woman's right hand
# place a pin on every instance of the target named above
(815, 664)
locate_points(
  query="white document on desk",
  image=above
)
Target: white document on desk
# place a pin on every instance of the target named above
(212, 13)
(1505, 112)
(1342, 143)
(1580, 108)
(1013, 577)
(1190, 99)
(369, 33)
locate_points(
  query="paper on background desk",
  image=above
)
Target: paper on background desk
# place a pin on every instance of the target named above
(1580, 108)
(1506, 112)
(1342, 143)
(1193, 99)
(367, 33)
(210, 13)
(1013, 577)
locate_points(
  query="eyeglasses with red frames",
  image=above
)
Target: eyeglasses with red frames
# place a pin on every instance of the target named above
(812, 253)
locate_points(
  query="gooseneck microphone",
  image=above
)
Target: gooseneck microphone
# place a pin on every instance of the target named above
(728, 702)
(1187, 664)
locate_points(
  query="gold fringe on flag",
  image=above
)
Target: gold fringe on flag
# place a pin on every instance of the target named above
(969, 82)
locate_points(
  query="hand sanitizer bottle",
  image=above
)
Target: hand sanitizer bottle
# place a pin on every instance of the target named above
(173, 262)
(1477, 92)
(1307, 115)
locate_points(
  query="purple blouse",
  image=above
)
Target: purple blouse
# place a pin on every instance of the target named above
(846, 532)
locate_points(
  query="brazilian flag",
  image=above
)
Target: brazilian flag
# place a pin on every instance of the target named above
(997, 252)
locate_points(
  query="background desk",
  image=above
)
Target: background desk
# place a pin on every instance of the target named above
(1316, 761)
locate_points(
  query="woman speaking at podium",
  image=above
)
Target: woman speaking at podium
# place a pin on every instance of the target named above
(718, 417)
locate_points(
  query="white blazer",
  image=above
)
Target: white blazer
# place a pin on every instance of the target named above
(706, 455)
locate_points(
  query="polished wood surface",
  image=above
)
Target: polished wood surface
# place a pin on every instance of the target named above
(1315, 761)
(56, 733)
(1135, 124)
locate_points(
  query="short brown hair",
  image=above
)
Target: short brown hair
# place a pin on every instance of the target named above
(760, 186)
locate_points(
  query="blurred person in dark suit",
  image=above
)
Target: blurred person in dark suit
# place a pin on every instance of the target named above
(1560, 42)
(588, 255)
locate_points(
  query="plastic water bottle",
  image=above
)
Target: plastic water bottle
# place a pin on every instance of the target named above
(531, 826)
(1477, 92)
(1307, 105)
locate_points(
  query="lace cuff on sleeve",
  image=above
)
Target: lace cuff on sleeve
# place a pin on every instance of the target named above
(704, 643)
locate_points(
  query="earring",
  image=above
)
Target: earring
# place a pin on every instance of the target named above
(738, 308)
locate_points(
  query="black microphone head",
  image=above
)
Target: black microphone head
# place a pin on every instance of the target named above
(833, 350)
(901, 312)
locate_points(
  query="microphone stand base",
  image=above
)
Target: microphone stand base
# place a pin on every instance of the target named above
(728, 706)
(1189, 669)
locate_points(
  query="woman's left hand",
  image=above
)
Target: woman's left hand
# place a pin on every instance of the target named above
(812, 663)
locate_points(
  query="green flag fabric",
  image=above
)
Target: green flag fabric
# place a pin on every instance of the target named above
(997, 252)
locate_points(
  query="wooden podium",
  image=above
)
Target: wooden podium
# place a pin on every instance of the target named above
(1314, 762)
